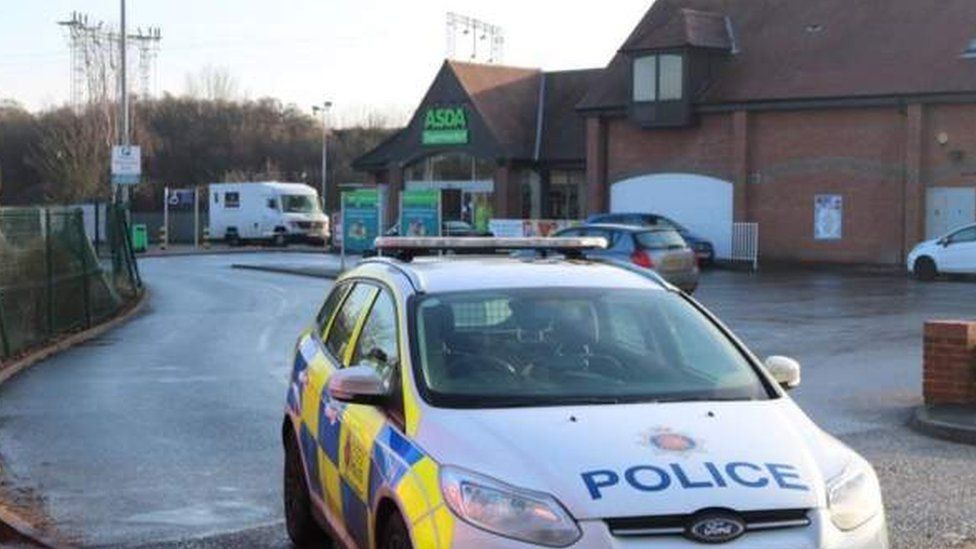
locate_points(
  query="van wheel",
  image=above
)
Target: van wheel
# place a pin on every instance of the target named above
(395, 534)
(301, 525)
(925, 269)
(279, 240)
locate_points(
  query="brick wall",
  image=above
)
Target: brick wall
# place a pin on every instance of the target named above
(949, 356)
(880, 160)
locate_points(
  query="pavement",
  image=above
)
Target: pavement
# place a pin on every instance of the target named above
(949, 421)
(164, 433)
(220, 248)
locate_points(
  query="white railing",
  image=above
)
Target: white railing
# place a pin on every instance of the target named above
(745, 243)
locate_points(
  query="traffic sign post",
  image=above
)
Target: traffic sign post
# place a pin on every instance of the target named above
(126, 165)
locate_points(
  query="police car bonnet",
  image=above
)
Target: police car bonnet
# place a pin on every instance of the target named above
(628, 460)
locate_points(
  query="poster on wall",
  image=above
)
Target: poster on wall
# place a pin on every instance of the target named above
(360, 219)
(518, 228)
(828, 217)
(420, 213)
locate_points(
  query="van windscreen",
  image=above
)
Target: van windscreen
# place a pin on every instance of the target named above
(298, 203)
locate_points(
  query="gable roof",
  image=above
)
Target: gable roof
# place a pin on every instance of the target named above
(563, 135)
(504, 105)
(803, 49)
(507, 99)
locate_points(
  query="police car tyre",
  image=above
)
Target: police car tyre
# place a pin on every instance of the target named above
(925, 269)
(395, 534)
(301, 525)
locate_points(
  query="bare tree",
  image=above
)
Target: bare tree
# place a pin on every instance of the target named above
(72, 155)
(212, 83)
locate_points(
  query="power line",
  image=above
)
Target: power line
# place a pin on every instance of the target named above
(95, 60)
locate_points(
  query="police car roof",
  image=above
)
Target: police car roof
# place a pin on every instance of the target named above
(466, 272)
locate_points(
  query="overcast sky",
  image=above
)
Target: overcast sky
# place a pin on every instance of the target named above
(377, 55)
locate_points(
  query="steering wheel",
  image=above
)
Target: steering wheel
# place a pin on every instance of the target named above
(603, 362)
(469, 360)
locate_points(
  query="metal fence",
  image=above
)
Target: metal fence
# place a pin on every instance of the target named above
(54, 280)
(745, 243)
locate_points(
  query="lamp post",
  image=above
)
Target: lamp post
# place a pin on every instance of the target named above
(324, 109)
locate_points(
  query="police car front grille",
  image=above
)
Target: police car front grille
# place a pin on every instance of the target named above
(670, 525)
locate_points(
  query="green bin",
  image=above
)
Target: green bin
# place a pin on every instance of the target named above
(140, 238)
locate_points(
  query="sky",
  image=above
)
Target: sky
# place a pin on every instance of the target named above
(363, 55)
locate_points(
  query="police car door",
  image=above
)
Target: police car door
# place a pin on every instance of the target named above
(337, 338)
(376, 346)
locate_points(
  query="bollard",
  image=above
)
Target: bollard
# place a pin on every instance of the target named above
(163, 238)
(206, 237)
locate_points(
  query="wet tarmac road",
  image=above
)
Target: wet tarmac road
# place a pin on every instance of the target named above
(167, 427)
(859, 340)
(164, 432)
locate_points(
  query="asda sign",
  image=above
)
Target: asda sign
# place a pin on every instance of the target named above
(445, 126)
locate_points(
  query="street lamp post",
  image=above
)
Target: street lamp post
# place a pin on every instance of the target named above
(324, 109)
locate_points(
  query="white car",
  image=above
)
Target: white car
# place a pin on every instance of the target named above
(954, 253)
(551, 400)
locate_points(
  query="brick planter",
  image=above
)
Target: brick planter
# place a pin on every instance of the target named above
(949, 369)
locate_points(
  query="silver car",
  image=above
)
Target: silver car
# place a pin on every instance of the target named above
(660, 249)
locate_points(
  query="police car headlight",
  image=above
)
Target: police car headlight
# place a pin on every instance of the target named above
(854, 496)
(506, 510)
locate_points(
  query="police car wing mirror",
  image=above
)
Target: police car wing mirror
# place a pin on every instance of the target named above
(378, 355)
(358, 385)
(784, 370)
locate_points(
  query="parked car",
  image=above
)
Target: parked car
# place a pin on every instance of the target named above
(704, 249)
(954, 253)
(266, 211)
(660, 249)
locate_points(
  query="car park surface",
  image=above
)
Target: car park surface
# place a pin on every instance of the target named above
(858, 338)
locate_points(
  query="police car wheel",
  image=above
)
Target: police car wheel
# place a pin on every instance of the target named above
(302, 528)
(395, 534)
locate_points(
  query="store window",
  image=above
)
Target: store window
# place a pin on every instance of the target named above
(563, 197)
(450, 167)
(658, 77)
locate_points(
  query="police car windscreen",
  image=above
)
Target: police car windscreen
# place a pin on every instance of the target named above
(556, 346)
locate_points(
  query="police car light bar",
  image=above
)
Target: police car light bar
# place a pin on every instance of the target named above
(407, 247)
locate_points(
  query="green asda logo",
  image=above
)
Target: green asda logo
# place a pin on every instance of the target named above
(445, 126)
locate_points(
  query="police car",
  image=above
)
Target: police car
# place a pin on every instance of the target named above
(550, 399)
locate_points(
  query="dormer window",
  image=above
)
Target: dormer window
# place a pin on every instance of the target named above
(658, 77)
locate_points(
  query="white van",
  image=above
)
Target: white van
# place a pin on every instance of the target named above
(268, 211)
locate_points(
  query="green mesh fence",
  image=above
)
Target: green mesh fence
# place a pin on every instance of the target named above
(53, 280)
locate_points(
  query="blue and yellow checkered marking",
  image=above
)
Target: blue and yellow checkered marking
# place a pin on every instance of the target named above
(351, 452)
